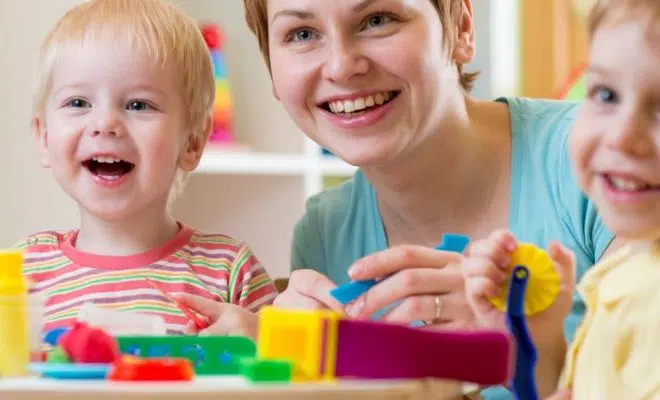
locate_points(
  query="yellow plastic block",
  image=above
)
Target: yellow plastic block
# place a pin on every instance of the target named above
(14, 338)
(543, 285)
(298, 336)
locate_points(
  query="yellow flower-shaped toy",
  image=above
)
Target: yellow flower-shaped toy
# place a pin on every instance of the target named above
(543, 284)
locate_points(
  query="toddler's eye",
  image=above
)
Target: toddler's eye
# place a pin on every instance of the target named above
(77, 103)
(378, 20)
(138, 105)
(605, 95)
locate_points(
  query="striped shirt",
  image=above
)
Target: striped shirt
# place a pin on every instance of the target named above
(214, 266)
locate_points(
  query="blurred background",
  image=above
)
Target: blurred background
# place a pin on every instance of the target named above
(258, 172)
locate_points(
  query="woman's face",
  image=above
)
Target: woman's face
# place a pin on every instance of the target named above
(367, 79)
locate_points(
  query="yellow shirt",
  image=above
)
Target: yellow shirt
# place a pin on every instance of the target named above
(616, 351)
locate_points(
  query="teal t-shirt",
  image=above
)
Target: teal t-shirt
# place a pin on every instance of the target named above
(343, 224)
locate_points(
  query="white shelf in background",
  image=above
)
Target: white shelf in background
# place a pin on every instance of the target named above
(262, 163)
(333, 166)
(251, 163)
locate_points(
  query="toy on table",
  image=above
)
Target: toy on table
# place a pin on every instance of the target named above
(88, 345)
(129, 368)
(209, 355)
(523, 384)
(543, 284)
(323, 346)
(200, 322)
(14, 335)
(222, 123)
(352, 290)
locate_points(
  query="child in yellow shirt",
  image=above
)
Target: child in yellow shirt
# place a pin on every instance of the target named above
(615, 149)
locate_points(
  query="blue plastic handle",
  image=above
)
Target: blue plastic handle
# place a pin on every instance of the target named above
(524, 384)
(352, 290)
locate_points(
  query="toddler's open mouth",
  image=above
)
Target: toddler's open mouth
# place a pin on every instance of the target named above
(108, 168)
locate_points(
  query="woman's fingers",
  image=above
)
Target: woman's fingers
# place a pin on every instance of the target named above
(309, 289)
(398, 258)
(433, 309)
(406, 283)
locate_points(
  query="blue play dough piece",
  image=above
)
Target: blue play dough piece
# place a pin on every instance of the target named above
(53, 336)
(70, 371)
(352, 290)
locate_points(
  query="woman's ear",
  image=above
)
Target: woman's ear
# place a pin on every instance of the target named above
(41, 134)
(465, 46)
(194, 147)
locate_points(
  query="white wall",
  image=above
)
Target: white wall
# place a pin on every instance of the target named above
(30, 199)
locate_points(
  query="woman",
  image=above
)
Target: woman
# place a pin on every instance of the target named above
(380, 83)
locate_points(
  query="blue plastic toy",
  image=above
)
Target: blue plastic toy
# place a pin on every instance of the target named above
(70, 371)
(352, 290)
(523, 385)
(52, 336)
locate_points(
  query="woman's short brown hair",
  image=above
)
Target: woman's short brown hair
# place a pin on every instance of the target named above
(449, 11)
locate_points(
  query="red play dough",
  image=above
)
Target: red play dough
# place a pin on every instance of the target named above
(85, 344)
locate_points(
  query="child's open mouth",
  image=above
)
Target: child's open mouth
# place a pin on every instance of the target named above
(108, 168)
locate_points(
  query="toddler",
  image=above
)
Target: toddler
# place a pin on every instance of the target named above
(122, 113)
(615, 150)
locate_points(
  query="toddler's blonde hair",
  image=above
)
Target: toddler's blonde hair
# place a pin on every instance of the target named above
(154, 26)
(613, 11)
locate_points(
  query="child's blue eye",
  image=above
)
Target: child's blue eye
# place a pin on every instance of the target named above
(77, 103)
(605, 95)
(138, 105)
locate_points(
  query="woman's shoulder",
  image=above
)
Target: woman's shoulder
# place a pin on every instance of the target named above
(540, 109)
(338, 201)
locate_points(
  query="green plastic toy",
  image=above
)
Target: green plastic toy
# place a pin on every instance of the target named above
(266, 370)
(210, 355)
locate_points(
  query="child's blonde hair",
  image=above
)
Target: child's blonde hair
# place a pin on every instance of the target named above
(154, 26)
(613, 11)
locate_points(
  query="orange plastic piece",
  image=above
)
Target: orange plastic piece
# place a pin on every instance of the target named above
(130, 368)
(306, 338)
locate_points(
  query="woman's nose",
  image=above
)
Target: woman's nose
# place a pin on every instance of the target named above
(344, 60)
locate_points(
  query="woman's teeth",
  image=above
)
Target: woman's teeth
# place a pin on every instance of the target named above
(360, 103)
(629, 185)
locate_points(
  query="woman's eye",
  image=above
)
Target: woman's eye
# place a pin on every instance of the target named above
(302, 35)
(138, 106)
(77, 103)
(378, 20)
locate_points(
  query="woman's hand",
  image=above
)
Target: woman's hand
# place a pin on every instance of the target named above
(427, 284)
(310, 290)
(225, 319)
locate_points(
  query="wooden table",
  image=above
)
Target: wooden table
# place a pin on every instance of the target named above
(230, 388)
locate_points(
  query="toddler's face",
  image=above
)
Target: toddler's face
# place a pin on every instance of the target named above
(615, 146)
(113, 128)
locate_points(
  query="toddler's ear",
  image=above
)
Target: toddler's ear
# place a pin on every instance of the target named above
(41, 134)
(194, 147)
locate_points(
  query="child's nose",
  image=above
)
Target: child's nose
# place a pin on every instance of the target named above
(632, 134)
(107, 123)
